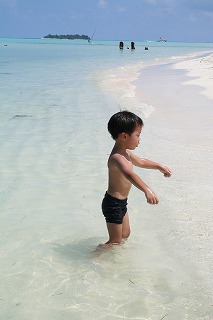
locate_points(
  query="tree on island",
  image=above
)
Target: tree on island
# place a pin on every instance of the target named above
(67, 36)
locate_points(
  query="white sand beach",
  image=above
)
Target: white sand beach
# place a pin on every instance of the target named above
(201, 70)
(54, 175)
(180, 133)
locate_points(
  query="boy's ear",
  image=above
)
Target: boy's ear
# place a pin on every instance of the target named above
(123, 135)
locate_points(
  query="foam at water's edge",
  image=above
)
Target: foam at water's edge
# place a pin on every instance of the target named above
(119, 84)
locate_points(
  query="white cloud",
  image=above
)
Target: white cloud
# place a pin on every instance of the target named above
(164, 5)
(102, 3)
(192, 17)
(74, 16)
(209, 14)
(170, 3)
(120, 9)
(203, 6)
(151, 1)
(9, 3)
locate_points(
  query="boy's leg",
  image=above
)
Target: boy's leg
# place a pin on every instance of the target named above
(115, 233)
(118, 232)
(125, 227)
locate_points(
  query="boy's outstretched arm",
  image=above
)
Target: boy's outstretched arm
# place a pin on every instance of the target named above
(121, 163)
(148, 164)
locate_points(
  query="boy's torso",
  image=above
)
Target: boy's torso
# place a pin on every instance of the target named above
(119, 186)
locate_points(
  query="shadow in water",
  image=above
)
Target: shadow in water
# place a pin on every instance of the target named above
(79, 250)
(85, 249)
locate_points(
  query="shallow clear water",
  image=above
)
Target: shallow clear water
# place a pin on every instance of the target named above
(54, 145)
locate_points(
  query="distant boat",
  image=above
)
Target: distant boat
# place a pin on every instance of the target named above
(161, 40)
(92, 36)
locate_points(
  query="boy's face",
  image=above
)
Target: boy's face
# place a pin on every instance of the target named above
(133, 140)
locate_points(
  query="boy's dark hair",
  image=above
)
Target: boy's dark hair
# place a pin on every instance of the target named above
(123, 121)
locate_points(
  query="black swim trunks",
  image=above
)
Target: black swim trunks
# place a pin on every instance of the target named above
(114, 209)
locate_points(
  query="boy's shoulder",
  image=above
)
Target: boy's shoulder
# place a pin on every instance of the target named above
(119, 157)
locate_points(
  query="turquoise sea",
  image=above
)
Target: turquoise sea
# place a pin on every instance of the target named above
(38, 74)
(54, 109)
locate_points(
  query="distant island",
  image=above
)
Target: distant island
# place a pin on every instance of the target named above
(67, 36)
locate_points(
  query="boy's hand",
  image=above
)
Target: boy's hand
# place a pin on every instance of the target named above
(151, 197)
(166, 171)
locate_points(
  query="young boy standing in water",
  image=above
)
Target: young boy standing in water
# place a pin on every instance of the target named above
(125, 128)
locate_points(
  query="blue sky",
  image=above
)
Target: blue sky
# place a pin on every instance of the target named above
(175, 20)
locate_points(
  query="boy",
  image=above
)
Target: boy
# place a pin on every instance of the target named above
(125, 128)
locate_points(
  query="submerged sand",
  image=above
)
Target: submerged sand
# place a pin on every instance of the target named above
(54, 178)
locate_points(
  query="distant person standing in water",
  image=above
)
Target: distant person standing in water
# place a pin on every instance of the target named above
(132, 45)
(125, 128)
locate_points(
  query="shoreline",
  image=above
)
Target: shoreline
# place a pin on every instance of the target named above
(121, 84)
(179, 133)
(184, 90)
